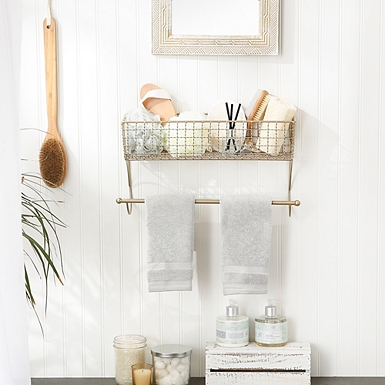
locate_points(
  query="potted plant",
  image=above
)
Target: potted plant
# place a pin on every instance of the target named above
(39, 230)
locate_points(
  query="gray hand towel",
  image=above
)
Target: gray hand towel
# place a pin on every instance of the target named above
(246, 228)
(170, 232)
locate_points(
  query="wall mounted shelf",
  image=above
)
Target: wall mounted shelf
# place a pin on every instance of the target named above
(208, 140)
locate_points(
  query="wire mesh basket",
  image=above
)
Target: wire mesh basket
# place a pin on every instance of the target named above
(182, 140)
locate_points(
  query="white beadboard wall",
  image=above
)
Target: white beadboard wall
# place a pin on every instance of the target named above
(327, 261)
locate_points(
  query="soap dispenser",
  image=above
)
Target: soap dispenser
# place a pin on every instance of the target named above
(232, 328)
(271, 328)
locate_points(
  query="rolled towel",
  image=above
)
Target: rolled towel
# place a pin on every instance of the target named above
(246, 228)
(272, 135)
(187, 134)
(170, 232)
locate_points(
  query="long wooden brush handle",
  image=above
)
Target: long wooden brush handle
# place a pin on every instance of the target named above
(50, 75)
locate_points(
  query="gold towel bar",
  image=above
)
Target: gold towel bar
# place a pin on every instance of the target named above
(130, 201)
(211, 201)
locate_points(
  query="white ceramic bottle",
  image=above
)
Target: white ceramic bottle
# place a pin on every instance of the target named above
(232, 329)
(271, 329)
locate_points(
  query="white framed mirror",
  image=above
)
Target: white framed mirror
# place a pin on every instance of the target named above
(215, 27)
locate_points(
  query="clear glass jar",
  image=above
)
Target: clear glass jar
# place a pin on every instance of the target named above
(172, 364)
(129, 350)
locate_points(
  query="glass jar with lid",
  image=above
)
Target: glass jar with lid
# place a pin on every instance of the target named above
(172, 364)
(129, 350)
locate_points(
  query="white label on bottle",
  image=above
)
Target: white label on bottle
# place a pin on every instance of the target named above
(271, 333)
(233, 332)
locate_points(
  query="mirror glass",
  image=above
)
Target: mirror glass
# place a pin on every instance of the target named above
(215, 17)
(215, 27)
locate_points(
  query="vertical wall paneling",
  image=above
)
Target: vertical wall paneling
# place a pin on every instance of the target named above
(309, 87)
(348, 186)
(368, 210)
(328, 180)
(381, 265)
(326, 265)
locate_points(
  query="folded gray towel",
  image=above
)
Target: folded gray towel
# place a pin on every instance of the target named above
(170, 232)
(246, 227)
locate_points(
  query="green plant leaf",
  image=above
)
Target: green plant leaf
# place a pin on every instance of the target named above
(39, 229)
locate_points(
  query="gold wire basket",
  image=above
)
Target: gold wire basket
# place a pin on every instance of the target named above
(203, 140)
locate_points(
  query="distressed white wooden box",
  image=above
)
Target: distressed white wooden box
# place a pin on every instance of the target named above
(256, 365)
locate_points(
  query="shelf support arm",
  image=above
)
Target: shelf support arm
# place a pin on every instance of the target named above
(290, 185)
(129, 180)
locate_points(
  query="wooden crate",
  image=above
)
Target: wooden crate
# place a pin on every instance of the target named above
(256, 365)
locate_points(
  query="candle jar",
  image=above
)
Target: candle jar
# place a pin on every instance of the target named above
(129, 350)
(171, 364)
(142, 374)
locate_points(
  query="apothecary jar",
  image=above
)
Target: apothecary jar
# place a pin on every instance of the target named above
(129, 350)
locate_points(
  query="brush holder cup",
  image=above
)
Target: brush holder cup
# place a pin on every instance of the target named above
(129, 350)
(171, 364)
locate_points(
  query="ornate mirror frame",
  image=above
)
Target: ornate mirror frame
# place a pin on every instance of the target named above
(165, 43)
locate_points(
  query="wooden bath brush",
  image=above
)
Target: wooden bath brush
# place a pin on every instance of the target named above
(52, 158)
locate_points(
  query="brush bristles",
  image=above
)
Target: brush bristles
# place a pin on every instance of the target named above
(259, 107)
(52, 163)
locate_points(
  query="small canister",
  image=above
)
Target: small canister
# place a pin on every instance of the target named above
(129, 350)
(171, 364)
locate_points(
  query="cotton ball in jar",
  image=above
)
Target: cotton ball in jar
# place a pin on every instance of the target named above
(185, 376)
(160, 373)
(159, 364)
(175, 374)
(175, 361)
(179, 381)
(167, 380)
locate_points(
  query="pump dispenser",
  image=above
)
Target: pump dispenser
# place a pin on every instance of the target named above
(233, 328)
(271, 329)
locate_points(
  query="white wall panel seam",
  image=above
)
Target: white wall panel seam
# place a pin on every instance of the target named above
(81, 199)
(137, 47)
(140, 222)
(359, 194)
(122, 211)
(41, 102)
(298, 149)
(340, 66)
(62, 213)
(380, 224)
(100, 186)
(319, 164)
(44, 108)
